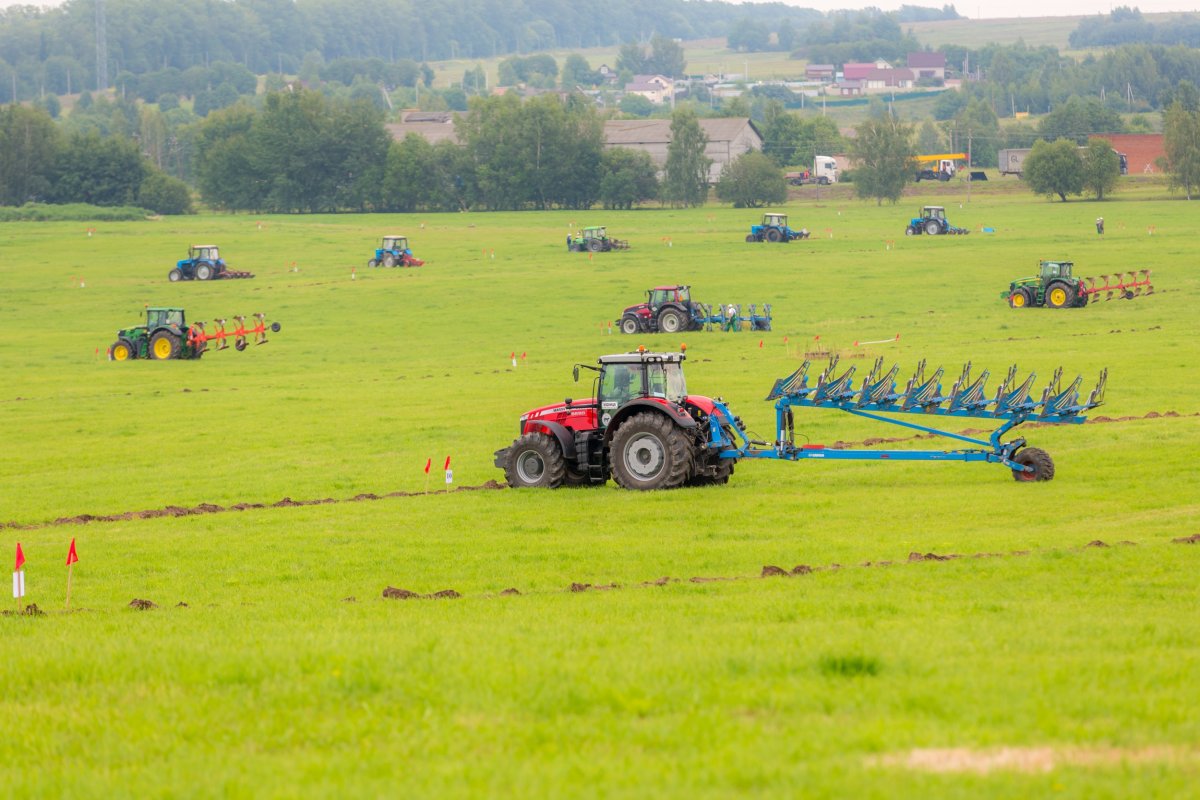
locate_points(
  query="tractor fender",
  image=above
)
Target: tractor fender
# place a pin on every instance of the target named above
(677, 415)
(566, 439)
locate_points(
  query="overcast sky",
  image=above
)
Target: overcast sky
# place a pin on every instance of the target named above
(976, 9)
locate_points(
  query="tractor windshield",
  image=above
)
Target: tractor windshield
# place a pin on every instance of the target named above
(666, 380)
(775, 220)
(676, 295)
(594, 233)
(395, 243)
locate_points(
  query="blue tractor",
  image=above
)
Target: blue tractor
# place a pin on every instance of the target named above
(932, 222)
(393, 251)
(774, 228)
(204, 263)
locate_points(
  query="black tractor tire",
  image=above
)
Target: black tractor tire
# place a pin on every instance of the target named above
(389, 260)
(1060, 295)
(932, 227)
(649, 451)
(535, 460)
(1081, 299)
(671, 320)
(573, 477)
(750, 237)
(122, 350)
(240, 345)
(1128, 295)
(205, 272)
(1021, 298)
(165, 345)
(910, 231)
(372, 263)
(595, 245)
(275, 326)
(774, 235)
(175, 275)
(1043, 465)
(630, 325)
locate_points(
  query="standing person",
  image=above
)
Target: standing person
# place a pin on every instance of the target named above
(1100, 225)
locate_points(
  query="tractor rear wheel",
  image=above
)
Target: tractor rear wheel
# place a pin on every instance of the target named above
(164, 345)
(629, 325)
(649, 451)
(932, 227)
(175, 275)
(535, 460)
(774, 235)
(1043, 465)
(122, 350)
(389, 260)
(671, 321)
(1021, 298)
(1059, 295)
(205, 272)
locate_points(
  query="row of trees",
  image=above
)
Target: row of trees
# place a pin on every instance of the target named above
(1125, 25)
(39, 163)
(306, 152)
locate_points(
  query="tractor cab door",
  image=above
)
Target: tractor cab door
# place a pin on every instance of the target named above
(775, 220)
(1051, 270)
(660, 296)
(619, 383)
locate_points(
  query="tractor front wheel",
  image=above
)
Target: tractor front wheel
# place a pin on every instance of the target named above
(750, 237)
(650, 452)
(122, 350)
(1059, 295)
(535, 460)
(1021, 298)
(670, 321)
(629, 325)
(1043, 465)
(164, 345)
(175, 275)
(372, 263)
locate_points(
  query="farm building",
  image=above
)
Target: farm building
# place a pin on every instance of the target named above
(728, 138)
(1142, 149)
(928, 65)
(433, 126)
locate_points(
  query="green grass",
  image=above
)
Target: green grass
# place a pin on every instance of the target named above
(268, 683)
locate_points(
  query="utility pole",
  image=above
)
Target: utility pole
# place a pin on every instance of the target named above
(968, 165)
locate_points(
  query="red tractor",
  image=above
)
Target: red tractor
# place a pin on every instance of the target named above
(668, 309)
(640, 425)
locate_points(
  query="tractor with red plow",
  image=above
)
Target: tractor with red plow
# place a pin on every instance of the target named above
(1055, 287)
(166, 335)
(643, 427)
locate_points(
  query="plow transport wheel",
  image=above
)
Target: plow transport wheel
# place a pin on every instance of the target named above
(535, 460)
(1043, 465)
(650, 452)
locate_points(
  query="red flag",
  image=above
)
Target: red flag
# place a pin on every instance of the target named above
(72, 556)
(447, 466)
(760, 343)
(522, 355)
(817, 338)
(428, 464)
(20, 559)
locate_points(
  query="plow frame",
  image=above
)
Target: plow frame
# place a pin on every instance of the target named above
(876, 396)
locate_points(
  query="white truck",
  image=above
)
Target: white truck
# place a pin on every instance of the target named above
(824, 172)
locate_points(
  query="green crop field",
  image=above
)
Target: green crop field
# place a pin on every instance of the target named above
(272, 666)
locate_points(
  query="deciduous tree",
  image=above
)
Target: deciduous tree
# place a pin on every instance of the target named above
(884, 151)
(1101, 168)
(685, 182)
(1054, 168)
(752, 180)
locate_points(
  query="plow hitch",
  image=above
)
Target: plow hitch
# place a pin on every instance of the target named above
(879, 393)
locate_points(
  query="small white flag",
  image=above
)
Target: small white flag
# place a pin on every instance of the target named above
(18, 584)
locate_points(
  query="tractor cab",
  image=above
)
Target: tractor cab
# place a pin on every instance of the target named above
(775, 220)
(164, 318)
(662, 295)
(598, 232)
(629, 376)
(204, 252)
(395, 244)
(1056, 269)
(933, 212)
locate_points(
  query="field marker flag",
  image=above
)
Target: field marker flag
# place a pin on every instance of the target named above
(19, 576)
(449, 472)
(513, 357)
(428, 464)
(72, 557)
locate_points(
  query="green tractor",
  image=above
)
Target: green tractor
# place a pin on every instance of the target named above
(1054, 287)
(594, 240)
(165, 335)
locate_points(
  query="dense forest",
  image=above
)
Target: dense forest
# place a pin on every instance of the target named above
(1125, 25)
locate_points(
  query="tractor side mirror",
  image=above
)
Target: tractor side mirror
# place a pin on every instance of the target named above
(575, 372)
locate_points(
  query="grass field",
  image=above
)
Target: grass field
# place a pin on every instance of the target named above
(1048, 668)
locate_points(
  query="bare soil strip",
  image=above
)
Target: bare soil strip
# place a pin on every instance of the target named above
(1033, 760)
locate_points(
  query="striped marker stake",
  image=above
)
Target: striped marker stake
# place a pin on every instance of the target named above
(19, 577)
(72, 557)
(895, 338)
(513, 357)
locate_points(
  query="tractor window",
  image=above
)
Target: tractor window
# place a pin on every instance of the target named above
(620, 383)
(666, 380)
(155, 318)
(211, 254)
(659, 296)
(1052, 270)
(173, 318)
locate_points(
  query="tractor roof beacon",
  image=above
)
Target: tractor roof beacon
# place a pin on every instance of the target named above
(642, 427)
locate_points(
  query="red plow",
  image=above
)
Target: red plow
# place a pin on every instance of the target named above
(241, 335)
(1120, 285)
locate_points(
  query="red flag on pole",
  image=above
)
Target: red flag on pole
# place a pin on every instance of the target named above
(428, 464)
(20, 558)
(72, 556)
(447, 464)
